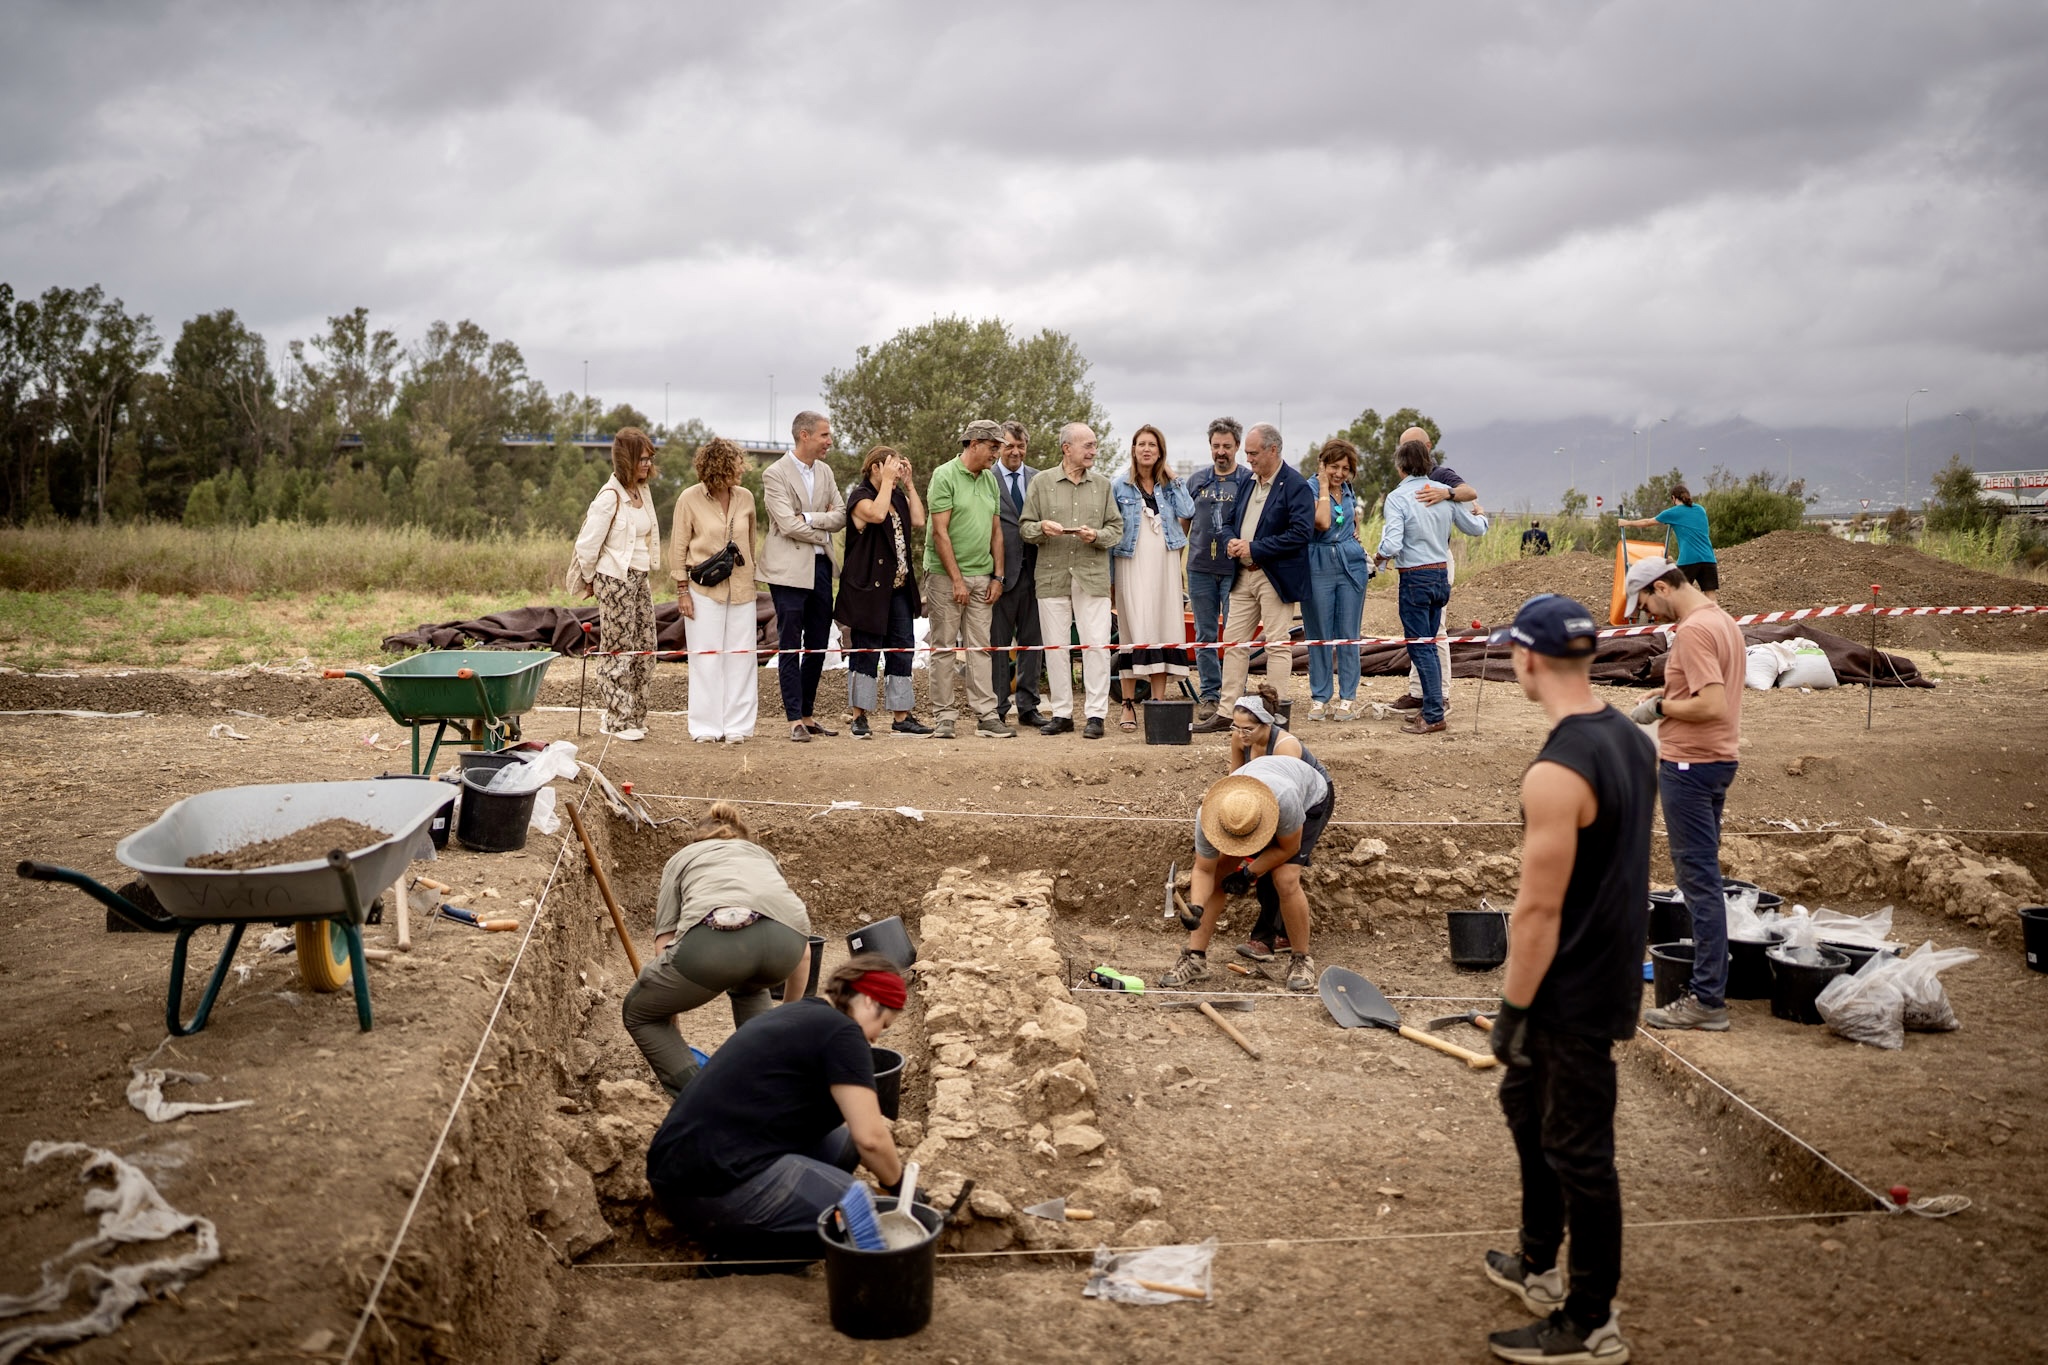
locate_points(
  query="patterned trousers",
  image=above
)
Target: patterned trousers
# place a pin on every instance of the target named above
(625, 620)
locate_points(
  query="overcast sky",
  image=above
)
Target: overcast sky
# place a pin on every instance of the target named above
(1791, 212)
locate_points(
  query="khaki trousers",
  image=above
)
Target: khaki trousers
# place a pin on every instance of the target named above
(954, 625)
(1254, 601)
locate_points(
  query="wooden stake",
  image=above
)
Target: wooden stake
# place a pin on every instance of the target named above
(604, 887)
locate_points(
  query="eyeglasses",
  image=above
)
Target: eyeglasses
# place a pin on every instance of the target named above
(1244, 729)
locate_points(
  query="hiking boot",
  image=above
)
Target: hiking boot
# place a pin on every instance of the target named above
(1540, 1294)
(1416, 725)
(1687, 1012)
(990, 728)
(943, 730)
(1192, 967)
(1406, 702)
(1301, 972)
(859, 728)
(1555, 1341)
(1204, 710)
(1258, 950)
(911, 725)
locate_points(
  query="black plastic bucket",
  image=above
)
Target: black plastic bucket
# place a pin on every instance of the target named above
(1794, 987)
(1479, 939)
(1749, 971)
(888, 1081)
(1169, 722)
(492, 822)
(437, 824)
(1857, 953)
(2034, 932)
(1765, 900)
(817, 948)
(875, 1295)
(483, 764)
(887, 937)
(1671, 970)
(1670, 920)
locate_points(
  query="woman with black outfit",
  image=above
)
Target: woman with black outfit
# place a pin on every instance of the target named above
(878, 597)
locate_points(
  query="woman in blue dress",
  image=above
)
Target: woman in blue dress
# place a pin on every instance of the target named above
(1337, 572)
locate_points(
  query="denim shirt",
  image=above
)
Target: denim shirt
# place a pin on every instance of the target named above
(1337, 551)
(1416, 534)
(1174, 504)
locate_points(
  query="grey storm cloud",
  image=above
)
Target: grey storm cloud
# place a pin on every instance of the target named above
(1794, 212)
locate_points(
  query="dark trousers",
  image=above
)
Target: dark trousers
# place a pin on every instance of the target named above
(1693, 796)
(772, 1216)
(1269, 927)
(1424, 592)
(1014, 621)
(1560, 1109)
(803, 620)
(1209, 600)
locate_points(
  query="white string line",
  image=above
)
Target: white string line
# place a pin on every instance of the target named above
(462, 1092)
(1291, 997)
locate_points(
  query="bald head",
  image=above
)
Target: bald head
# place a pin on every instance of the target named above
(1077, 448)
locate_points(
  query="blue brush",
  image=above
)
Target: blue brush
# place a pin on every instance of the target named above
(861, 1224)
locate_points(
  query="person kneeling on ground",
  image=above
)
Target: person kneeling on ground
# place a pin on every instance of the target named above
(768, 1136)
(725, 923)
(1256, 731)
(1260, 813)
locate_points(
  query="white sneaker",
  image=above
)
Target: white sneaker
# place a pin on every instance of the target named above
(1317, 711)
(1344, 711)
(631, 736)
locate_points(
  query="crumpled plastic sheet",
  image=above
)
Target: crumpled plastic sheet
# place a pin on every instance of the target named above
(131, 1211)
(531, 774)
(146, 1093)
(1117, 1275)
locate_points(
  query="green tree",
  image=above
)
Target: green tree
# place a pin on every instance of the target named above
(1377, 438)
(237, 505)
(1651, 496)
(202, 505)
(348, 374)
(1743, 509)
(1958, 503)
(356, 496)
(444, 496)
(460, 381)
(397, 498)
(1572, 505)
(218, 401)
(917, 390)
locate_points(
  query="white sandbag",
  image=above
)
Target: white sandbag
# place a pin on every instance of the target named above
(1761, 667)
(1808, 666)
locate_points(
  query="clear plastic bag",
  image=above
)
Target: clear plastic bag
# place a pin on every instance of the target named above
(1869, 930)
(1743, 921)
(1800, 940)
(1926, 1000)
(1867, 1006)
(1180, 1272)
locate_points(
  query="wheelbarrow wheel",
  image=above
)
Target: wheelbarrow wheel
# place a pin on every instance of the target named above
(323, 955)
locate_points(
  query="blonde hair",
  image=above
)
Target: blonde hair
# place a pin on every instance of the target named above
(629, 445)
(722, 821)
(719, 464)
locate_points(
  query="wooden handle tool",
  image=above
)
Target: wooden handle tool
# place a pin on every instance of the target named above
(1234, 1035)
(604, 887)
(1184, 1291)
(438, 888)
(1476, 1060)
(401, 901)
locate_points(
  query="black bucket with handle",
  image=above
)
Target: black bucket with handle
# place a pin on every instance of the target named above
(2034, 934)
(1479, 939)
(875, 1295)
(1169, 721)
(1670, 971)
(888, 1081)
(1796, 985)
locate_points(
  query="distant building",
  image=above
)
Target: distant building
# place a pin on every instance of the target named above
(2023, 488)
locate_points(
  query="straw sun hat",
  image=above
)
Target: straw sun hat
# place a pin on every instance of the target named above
(1239, 815)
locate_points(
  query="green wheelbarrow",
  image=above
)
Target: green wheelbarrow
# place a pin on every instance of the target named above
(324, 901)
(481, 692)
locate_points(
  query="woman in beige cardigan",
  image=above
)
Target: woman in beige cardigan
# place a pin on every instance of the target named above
(619, 546)
(712, 513)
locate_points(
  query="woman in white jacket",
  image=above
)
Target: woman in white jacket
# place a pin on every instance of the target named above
(620, 543)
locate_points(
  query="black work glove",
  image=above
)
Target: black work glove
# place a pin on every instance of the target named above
(1238, 882)
(1511, 1035)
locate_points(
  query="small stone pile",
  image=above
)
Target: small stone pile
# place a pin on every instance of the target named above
(1929, 871)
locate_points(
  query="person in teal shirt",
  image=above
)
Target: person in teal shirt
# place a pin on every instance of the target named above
(1695, 558)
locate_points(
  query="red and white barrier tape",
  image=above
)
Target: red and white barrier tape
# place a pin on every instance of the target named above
(1190, 646)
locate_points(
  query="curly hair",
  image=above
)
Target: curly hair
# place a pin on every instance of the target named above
(719, 464)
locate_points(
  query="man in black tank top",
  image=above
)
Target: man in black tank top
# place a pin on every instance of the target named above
(1573, 985)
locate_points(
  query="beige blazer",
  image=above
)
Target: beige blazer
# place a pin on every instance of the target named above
(794, 539)
(700, 531)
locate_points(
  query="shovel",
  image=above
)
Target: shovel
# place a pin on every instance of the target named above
(1355, 1002)
(1056, 1210)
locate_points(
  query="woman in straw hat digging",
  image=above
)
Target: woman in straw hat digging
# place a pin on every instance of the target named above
(1262, 813)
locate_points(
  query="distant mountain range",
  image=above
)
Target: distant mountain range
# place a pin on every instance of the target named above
(1515, 464)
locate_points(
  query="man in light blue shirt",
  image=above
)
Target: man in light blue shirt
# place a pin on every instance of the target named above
(1418, 542)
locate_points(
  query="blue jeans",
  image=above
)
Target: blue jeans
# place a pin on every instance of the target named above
(1209, 599)
(1331, 611)
(1424, 594)
(803, 620)
(774, 1215)
(1694, 794)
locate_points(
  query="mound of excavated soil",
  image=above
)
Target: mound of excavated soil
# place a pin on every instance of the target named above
(1492, 595)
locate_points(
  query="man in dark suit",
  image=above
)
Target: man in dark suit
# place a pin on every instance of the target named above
(1276, 519)
(1015, 620)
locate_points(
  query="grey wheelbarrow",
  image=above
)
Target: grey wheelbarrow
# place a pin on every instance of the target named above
(324, 901)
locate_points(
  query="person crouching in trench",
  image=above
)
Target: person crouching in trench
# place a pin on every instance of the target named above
(768, 1135)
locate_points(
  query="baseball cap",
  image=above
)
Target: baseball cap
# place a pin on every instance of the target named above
(1641, 575)
(982, 430)
(1553, 624)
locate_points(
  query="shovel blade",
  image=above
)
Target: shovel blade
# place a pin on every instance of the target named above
(1355, 1002)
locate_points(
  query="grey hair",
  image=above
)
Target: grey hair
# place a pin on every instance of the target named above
(1268, 434)
(1230, 426)
(1017, 431)
(804, 423)
(1070, 433)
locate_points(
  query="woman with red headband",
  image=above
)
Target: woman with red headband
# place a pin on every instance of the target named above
(767, 1136)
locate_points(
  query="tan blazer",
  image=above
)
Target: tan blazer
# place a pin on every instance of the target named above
(794, 540)
(700, 531)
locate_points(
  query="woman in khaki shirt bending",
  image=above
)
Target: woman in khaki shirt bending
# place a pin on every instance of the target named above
(711, 514)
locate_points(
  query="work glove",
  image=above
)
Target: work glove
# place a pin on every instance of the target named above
(1238, 882)
(1510, 1035)
(1649, 712)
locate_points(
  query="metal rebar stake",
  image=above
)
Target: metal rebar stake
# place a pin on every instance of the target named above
(1870, 674)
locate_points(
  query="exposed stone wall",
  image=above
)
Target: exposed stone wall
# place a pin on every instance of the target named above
(1929, 871)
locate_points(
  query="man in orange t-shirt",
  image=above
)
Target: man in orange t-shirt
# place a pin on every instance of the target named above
(1701, 715)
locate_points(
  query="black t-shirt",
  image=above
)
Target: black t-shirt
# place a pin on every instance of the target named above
(1595, 983)
(765, 1094)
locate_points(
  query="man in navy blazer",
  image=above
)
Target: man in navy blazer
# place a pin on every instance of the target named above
(1276, 518)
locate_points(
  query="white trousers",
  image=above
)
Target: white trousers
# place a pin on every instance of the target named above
(724, 687)
(1056, 617)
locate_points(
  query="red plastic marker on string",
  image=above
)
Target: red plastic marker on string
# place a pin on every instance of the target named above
(626, 787)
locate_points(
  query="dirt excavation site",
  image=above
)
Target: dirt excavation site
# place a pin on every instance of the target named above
(465, 1181)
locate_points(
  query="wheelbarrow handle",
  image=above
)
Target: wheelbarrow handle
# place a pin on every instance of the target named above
(397, 718)
(30, 870)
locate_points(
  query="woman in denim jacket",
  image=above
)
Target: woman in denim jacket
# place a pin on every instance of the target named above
(1147, 567)
(1337, 574)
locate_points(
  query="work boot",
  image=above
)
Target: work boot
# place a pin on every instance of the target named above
(1204, 710)
(1687, 1012)
(1541, 1294)
(1215, 725)
(1192, 967)
(1301, 972)
(1555, 1341)
(1093, 729)
(1407, 701)
(1057, 725)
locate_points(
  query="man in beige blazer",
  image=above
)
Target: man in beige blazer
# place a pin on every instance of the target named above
(799, 562)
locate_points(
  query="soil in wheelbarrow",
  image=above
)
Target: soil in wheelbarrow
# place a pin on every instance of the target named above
(306, 845)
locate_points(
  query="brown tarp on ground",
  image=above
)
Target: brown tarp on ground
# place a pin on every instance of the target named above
(560, 629)
(1639, 659)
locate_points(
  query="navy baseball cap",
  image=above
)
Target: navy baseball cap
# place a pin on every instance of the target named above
(1553, 624)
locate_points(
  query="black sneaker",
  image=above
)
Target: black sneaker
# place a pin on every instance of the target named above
(859, 728)
(1093, 729)
(1540, 1294)
(1555, 1341)
(1030, 718)
(909, 726)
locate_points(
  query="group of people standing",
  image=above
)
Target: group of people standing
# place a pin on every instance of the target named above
(1022, 559)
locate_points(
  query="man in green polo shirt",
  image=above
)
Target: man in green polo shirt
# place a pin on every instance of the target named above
(963, 576)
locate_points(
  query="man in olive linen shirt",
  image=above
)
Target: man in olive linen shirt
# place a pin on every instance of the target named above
(1070, 515)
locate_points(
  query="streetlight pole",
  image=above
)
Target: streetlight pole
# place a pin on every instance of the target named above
(1909, 447)
(771, 407)
(1788, 458)
(1973, 437)
(1574, 466)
